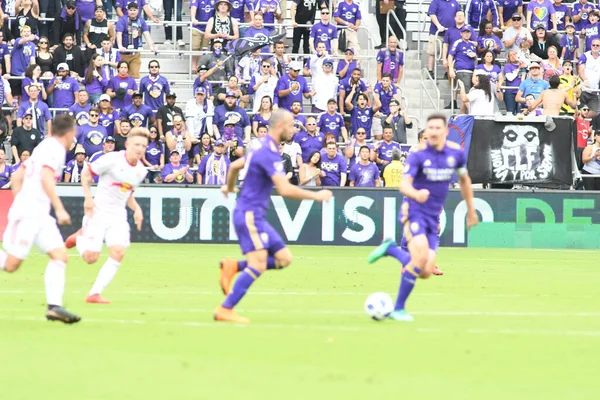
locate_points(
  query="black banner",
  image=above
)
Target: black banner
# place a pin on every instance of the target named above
(522, 152)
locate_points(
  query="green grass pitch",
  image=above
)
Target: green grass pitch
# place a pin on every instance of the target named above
(500, 324)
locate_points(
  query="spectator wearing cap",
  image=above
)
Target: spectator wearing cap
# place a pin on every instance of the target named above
(22, 55)
(180, 139)
(121, 87)
(154, 86)
(110, 58)
(348, 14)
(24, 137)
(229, 111)
(122, 5)
(477, 10)
(69, 20)
(544, 15)
(515, 34)
(164, 115)
(542, 40)
(461, 60)
(588, 69)
(222, 25)
(213, 168)
(569, 43)
(219, 68)
(331, 121)
(258, 29)
(263, 83)
(591, 30)
(38, 109)
(107, 146)
(176, 172)
(328, 84)
(153, 157)
(200, 11)
(130, 29)
(71, 54)
(74, 168)
(391, 61)
(91, 135)
(383, 93)
(109, 117)
(95, 79)
(27, 13)
(202, 81)
(81, 109)
(96, 30)
(506, 9)
(346, 65)
(452, 34)
(291, 87)
(325, 32)
(138, 114)
(63, 87)
(581, 12)
(197, 110)
(534, 85)
(441, 13)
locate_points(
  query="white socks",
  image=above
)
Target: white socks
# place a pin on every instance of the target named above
(80, 244)
(105, 276)
(3, 258)
(55, 282)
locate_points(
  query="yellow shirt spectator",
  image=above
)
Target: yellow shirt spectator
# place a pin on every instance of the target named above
(392, 173)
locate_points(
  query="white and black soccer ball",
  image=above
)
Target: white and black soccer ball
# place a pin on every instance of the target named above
(379, 306)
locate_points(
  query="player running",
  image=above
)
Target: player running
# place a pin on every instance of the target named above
(29, 219)
(106, 215)
(262, 245)
(427, 176)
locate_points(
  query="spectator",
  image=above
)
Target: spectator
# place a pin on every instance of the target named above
(203, 149)
(27, 14)
(347, 64)
(263, 84)
(25, 137)
(328, 84)
(398, 121)
(364, 173)
(592, 29)
(570, 84)
(350, 89)
(196, 114)
(201, 11)
(80, 110)
(489, 67)
(517, 33)
(70, 54)
(463, 52)
(107, 147)
(333, 165)
(476, 11)
(314, 64)
(164, 116)
(121, 87)
(270, 9)
(512, 76)
(95, 79)
(130, 30)
(68, 21)
(248, 66)
(74, 168)
(230, 110)
(453, 34)
(95, 31)
(292, 87)
(23, 157)
(588, 69)
(563, 16)
(263, 116)
(87, 8)
(310, 140)
(552, 99)
(176, 172)
(5, 171)
(299, 120)
(570, 44)
(382, 152)
(581, 12)
(213, 168)
(524, 57)
(486, 40)
(154, 87)
(310, 172)
(153, 157)
(545, 15)
(506, 9)
(23, 54)
(391, 61)
(33, 74)
(353, 149)
(361, 115)
(44, 58)
(392, 173)
(222, 25)
(584, 130)
(218, 68)
(121, 5)
(348, 14)
(480, 97)
(552, 65)
(168, 6)
(383, 93)
(332, 122)
(287, 163)
(441, 13)
(109, 117)
(591, 161)
(63, 87)
(138, 114)
(92, 135)
(201, 81)
(541, 42)
(257, 29)
(111, 59)
(280, 61)
(37, 108)
(179, 139)
(303, 13)
(121, 136)
(529, 100)
(325, 32)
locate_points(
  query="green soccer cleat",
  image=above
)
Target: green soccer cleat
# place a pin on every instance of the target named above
(380, 251)
(401, 315)
(62, 315)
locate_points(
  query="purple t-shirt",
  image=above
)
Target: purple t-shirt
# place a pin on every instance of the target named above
(20, 57)
(81, 113)
(117, 83)
(204, 10)
(238, 113)
(562, 12)
(299, 86)
(108, 121)
(253, 32)
(327, 123)
(154, 91)
(138, 27)
(570, 44)
(169, 169)
(206, 85)
(385, 96)
(348, 12)
(391, 62)
(154, 152)
(509, 7)
(362, 118)
(139, 117)
(384, 152)
(364, 175)
(96, 86)
(64, 92)
(459, 51)
(592, 31)
(577, 7)
(323, 33)
(41, 109)
(489, 42)
(340, 66)
(540, 13)
(300, 119)
(510, 69)
(309, 143)
(444, 10)
(260, 120)
(352, 160)
(333, 168)
(260, 5)
(453, 34)
(86, 9)
(91, 138)
(493, 74)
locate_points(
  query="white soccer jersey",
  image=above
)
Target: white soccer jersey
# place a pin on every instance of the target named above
(32, 200)
(117, 181)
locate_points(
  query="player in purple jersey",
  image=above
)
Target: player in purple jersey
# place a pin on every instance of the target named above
(262, 245)
(428, 172)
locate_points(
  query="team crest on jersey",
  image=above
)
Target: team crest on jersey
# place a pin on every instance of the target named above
(427, 163)
(82, 118)
(234, 115)
(155, 90)
(295, 87)
(349, 15)
(324, 37)
(179, 178)
(451, 161)
(414, 227)
(332, 125)
(95, 137)
(136, 119)
(154, 151)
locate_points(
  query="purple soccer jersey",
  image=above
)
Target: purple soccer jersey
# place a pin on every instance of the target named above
(364, 175)
(391, 62)
(81, 113)
(562, 12)
(327, 123)
(108, 121)
(333, 168)
(348, 12)
(298, 87)
(444, 10)
(385, 150)
(138, 117)
(385, 96)
(154, 90)
(204, 10)
(323, 33)
(587, 8)
(117, 83)
(154, 152)
(460, 50)
(309, 143)
(91, 138)
(132, 30)
(169, 169)
(362, 118)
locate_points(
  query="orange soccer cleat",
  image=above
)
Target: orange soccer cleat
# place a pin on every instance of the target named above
(97, 299)
(72, 240)
(437, 271)
(229, 268)
(228, 315)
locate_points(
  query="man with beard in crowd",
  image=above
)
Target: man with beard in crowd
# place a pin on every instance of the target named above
(164, 115)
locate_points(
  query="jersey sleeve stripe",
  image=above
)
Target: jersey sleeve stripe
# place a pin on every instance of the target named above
(91, 170)
(49, 167)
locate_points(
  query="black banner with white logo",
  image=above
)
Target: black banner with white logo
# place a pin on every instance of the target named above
(523, 152)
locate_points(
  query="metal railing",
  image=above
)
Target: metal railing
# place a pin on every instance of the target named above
(425, 91)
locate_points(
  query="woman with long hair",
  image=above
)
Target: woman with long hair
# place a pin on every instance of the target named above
(591, 163)
(552, 65)
(33, 73)
(480, 98)
(489, 67)
(109, 117)
(512, 78)
(541, 43)
(95, 79)
(153, 158)
(203, 148)
(121, 87)
(310, 171)
(487, 40)
(263, 116)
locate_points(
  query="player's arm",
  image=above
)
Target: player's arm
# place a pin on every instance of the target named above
(286, 189)
(49, 187)
(464, 180)
(232, 176)
(86, 184)
(138, 215)
(407, 189)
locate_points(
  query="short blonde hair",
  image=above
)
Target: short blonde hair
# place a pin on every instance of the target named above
(141, 132)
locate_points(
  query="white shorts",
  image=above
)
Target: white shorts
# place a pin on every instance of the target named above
(103, 229)
(21, 234)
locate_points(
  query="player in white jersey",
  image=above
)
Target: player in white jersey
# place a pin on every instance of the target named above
(29, 219)
(106, 215)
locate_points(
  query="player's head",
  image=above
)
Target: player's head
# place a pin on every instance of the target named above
(136, 143)
(261, 131)
(364, 153)
(64, 129)
(387, 132)
(437, 130)
(331, 149)
(281, 125)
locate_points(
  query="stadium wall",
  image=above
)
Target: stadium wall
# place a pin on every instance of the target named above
(511, 219)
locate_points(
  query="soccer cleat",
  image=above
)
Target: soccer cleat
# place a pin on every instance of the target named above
(62, 315)
(228, 315)
(97, 299)
(72, 240)
(380, 251)
(401, 315)
(229, 267)
(437, 271)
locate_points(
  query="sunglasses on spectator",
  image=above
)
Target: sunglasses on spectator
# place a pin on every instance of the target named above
(516, 19)
(70, 8)
(154, 66)
(596, 45)
(325, 12)
(361, 133)
(94, 115)
(42, 42)
(266, 66)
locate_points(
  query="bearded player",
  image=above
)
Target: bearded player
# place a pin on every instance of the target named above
(427, 176)
(105, 221)
(261, 244)
(29, 219)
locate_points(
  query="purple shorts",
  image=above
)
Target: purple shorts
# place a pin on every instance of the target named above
(254, 233)
(417, 223)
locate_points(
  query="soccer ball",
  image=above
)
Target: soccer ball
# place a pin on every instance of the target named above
(379, 305)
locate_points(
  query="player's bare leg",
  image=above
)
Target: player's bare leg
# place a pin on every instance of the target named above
(72, 240)
(106, 273)
(54, 279)
(8, 262)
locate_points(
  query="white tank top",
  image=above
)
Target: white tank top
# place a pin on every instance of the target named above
(313, 181)
(593, 167)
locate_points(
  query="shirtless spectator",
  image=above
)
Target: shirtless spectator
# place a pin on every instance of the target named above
(553, 99)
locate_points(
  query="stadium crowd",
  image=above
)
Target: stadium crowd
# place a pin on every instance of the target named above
(82, 63)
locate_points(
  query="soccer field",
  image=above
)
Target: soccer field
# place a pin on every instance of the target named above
(500, 324)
